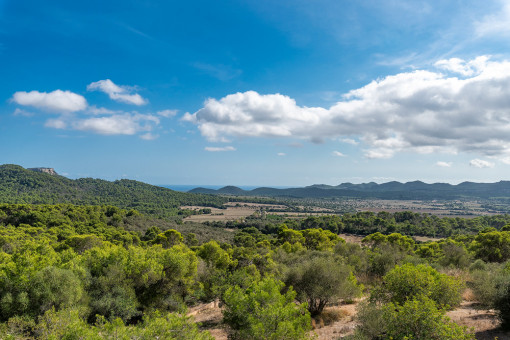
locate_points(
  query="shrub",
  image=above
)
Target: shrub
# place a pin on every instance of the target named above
(492, 289)
(262, 312)
(321, 280)
(417, 319)
(405, 282)
(492, 246)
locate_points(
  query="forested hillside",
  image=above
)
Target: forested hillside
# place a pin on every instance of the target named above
(19, 185)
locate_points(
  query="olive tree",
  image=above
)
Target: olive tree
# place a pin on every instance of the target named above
(321, 280)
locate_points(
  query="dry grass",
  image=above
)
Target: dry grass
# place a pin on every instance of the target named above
(229, 214)
(427, 238)
(330, 316)
(351, 238)
(468, 295)
(484, 323)
(339, 321)
(335, 321)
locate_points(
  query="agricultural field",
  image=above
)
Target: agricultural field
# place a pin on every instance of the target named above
(302, 208)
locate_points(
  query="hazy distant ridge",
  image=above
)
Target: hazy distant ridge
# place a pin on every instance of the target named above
(389, 190)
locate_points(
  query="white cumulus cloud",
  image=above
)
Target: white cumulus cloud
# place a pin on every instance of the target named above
(123, 124)
(94, 110)
(219, 149)
(57, 101)
(118, 124)
(480, 163)
(338, 153)
(350, 141)
(462, 67)
(444, 164)
(421, 111)
(116, 92)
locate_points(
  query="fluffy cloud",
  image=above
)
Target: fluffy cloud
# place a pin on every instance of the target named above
(281, 154)
(338, 153)
(124, 124)
(350, 141)
(462, 67)
(58, 100)
(420, 111)
(118, 124)
(480, 163)
(219, 149)
(444, 164)
(116, 92)
(94, 110)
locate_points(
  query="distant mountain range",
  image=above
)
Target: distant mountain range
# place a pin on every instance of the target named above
(416, 190)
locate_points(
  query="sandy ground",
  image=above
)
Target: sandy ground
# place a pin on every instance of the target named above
(484, 323)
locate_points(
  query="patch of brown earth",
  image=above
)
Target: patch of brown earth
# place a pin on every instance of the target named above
(210, 318)
(338, 321)
(484, 323)
(343, 325)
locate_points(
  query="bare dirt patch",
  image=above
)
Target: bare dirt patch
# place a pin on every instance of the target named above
(351, 238)
(339, 321)
(427, 238)
(344, 326)
(229, 214)
(210, 318)
(484, 322)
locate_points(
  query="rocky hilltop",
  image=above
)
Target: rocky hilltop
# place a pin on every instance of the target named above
(49, 171)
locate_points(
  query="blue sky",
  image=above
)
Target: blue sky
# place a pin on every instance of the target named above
(257, 92)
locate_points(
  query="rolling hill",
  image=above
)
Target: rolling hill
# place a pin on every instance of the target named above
(19, 185)
(415, 190)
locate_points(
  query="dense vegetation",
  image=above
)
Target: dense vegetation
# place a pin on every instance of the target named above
(18, 185)
(110, 271)
(365, 223)
(68, 271)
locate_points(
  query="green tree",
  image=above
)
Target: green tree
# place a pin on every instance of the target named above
(405, 282)
(492, 246)
(318, 239)
(322, 280)
(263, 312)
(169, 238)
(417, 319)
(55, 288)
